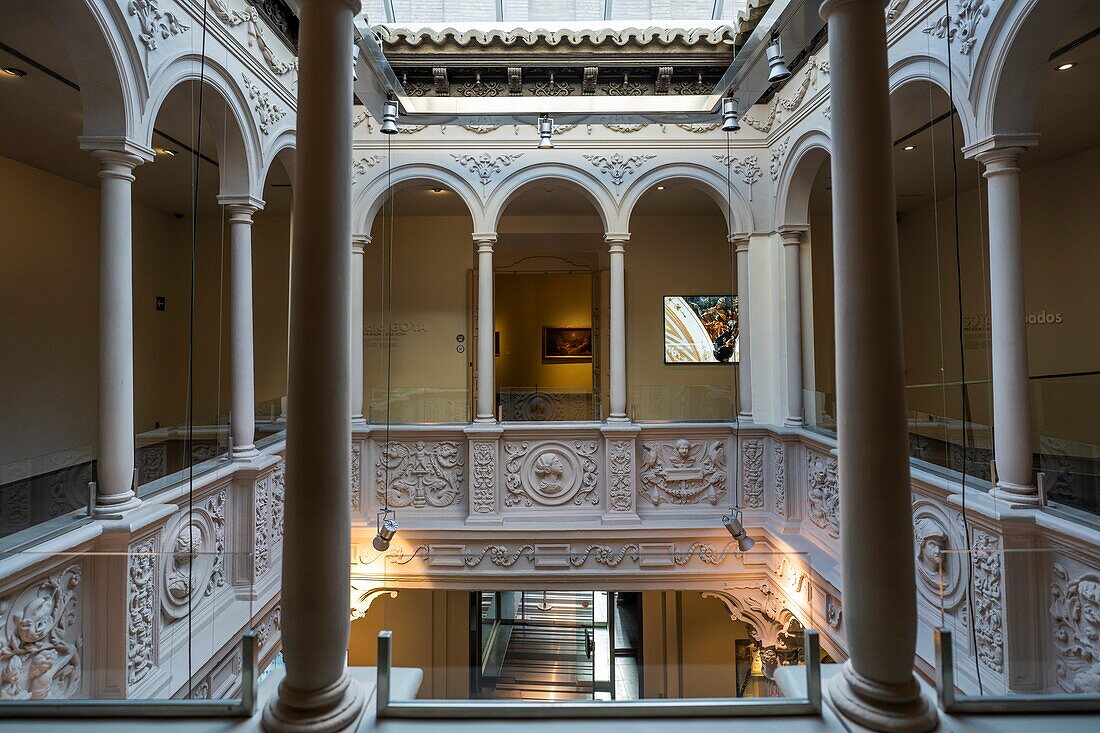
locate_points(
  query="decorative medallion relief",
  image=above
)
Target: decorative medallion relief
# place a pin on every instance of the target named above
(752, 480)
(988, 608)
(267, 112)
(823, 492)
(485, 165)
(1075, 610)
(780, 479)
(683, 471)
(40, 653)
(551, 473)
(141, 618)
(484, 477)
(620, 476)
(940, 576)
(618, 166)
(420, 474)
(155, 22)
(196, 540)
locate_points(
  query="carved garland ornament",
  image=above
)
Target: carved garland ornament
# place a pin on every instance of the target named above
(551, 473)
(40, 653)
(752, 461)
(141, 620)
(618, 166)
(1075, 609)
(359, 167)
(505, 557)
(988, 613)
(267, 111)
(963, 22)
(789, 104)
(155, 22)
(419, 474)
(777, 154)
(824, 492)
(683, 472)
(485, 165)
(484, 477)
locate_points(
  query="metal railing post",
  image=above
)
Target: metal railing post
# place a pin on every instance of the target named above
(248, 673)
(385, 659)
(811, 645)
(945, 669)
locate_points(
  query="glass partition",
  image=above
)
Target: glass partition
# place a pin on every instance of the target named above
(557, 404)
(682, 403)
(1068, 435)
(418, 405)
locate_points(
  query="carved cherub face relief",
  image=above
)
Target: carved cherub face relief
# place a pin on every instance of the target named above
(683, 448)
(931, 543)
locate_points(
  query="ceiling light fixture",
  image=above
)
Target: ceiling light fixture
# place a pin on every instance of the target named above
(165, 152)
(1064, 67)
(909, 147)
(660, 188)
(387, 528)
(777, 65)
(737, 532)
(729, 115)
(389, 117)
(14, 71)
(437, 190)
(546, 132)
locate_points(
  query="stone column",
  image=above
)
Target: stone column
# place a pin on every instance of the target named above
(876, 688)
(115, 457)
(317, 694)
(617, 327)
(486, 383)
(1011, 397)
(791, 235)
(744, 380)
(241, 355)
(359, 244)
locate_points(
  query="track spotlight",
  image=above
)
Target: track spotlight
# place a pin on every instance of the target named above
(389, 117)
(387, 528)
(729, 115)
(14, 71)
(777, 65)
(546, 133)
(737, 532)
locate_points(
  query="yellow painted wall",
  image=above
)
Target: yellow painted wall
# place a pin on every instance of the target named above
(526, 303)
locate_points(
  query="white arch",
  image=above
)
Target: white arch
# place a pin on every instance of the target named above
(1011, 61)
(933, 69)
(286, 140)
(705, 179)
(369, 198)
(582, 181)
(792, 199)
(239, 156)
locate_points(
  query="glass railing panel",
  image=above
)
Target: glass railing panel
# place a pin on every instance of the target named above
(44, 494)
(546, 404)
(682, 403)
(556, 651)
(167, 455)
(819, 411)
(1063, 412)
(418, 406)
(1026, 647)
(174, 631)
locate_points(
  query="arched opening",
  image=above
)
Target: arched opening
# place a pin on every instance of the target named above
(417, 295)
(681, 305)
(550, 296)
(819, 339)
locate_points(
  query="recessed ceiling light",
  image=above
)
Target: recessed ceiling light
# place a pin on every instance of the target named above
(437, 190)
(909, 147)
(14, 71)
(548, 190)
(165, 151)
(660, 188)
(1064, 67)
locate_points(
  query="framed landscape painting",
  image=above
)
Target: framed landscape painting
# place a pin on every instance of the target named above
(700, 329)
(565, 344)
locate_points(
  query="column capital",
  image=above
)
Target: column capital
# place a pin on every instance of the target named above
(1000, 161)
(616, 238)
(116, 164)
(485, 241)
(739, 240)
(791, 234)
(116, 144)
(241, 207)
(1018, 141)
(359, 243)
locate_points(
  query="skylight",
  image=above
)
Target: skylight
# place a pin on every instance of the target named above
(561, 13)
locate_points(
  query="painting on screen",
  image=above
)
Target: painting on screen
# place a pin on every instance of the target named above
(701, 329)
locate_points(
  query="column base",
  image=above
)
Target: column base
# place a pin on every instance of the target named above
(744, 416)
(864, 704)
(245, 452)
(1015, 494)
(336, 708)
(793, 422)
(618, 419)
(485, 420)
(117, 508)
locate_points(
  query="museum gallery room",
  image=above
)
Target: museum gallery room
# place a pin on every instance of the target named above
(410, 365)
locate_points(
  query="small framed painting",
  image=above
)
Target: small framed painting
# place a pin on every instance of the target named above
(564, 344)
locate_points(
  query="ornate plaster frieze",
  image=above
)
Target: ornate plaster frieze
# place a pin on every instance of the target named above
(552, 88)
(564, 556)
(748, 168)
(277, 503)
(700, 128)
(411, 129)
(626, 129)
(261, 527)
(752, 473)
(155, 22)
(625, 88)
(485, 166)
(356, 477)
(232, 18)
(545, 406)
(482, 129)
(775, 630)
(620, 460)
(814, 68)
(618, 166)
(894, 9)
(267, 112)
(834, 611)
(141, 617)
(421, 474)
(988, 606)
(363, 595)
(963, 22)
(359, 166)
(1075, 611)
(221, 11)
(42, 645)
(777, 153)
(551, 472)
(479, 88)
(483, 476)
(780, 478)
(823, 495)
(269, 628)
(519, 37)
(196, 566)
(683, 471)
